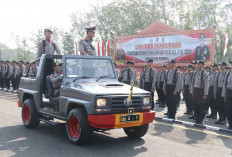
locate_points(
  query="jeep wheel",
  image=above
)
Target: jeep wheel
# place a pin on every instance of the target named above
(30, 116)
(136, 132)
(77, 126)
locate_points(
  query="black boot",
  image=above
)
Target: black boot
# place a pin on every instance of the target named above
(218, 122)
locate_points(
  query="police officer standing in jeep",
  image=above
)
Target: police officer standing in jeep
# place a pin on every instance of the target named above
(85, 45)
(47, 46)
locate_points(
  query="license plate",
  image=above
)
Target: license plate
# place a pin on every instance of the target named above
(129, 118)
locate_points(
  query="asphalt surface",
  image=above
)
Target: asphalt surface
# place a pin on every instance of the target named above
(162, 140)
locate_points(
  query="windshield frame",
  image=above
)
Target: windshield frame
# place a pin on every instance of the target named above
(70, 79)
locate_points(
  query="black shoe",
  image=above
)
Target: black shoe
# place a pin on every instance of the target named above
(190, 113)
(217, 122)
(162, 105)
(192, 117)
(171, 117)
(215, 116)
(209, 116)
(223, 122)
(166, 114)
(230, 128)
(200, 122)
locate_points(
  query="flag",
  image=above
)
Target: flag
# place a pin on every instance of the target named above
(98, 48)
(108, 48)
(103, 52)
(225, 44)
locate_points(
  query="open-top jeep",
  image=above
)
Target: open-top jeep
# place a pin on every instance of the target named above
(91, 98)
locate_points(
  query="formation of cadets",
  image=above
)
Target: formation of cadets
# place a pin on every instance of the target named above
(203, 88)
(11, 72)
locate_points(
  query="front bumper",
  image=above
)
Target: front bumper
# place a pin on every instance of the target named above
(111, 121)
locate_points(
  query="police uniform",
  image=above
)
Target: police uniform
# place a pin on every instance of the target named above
(56, 80)
(47, 47)
(141, 77)
(149, 81)
(156, 85)
(227, 94)
(221, 107)
(85, 44)
(202, 51)
(178, 94)
(1, 73)
(210, 99)
(172, 84)
(21, 71)
(186, 82)
(160, 85)
(3, 77)
(7, 74)
(199, 88)
(14, 74)
(127, 76)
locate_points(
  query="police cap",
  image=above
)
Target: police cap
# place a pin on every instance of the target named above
(48, 31)
(202, 36)
(172, 61)
(201, 62)
(92, 29)
(214, 65)
(223, 64)
(150, 61)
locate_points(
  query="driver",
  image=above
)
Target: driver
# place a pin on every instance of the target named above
(56, 79)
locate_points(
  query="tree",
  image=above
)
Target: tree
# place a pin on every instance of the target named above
(68, 43)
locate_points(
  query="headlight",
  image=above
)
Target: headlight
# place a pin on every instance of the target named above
(101, 102)
(146, 100)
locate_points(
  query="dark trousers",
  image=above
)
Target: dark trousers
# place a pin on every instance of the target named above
(229, 106)
(162, 96)
(198, 102)
(211, 101)
(1, 80)
(12, 79)
(221, 106)
(147, 87)
(188, 98)
(171, 100)
(126, 82)
(3, 83)
(7, 83)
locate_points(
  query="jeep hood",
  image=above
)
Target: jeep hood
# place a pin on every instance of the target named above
(108, 88)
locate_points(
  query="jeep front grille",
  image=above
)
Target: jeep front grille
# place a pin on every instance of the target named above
(118, 102)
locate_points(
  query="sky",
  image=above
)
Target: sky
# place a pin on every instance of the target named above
(22, 17)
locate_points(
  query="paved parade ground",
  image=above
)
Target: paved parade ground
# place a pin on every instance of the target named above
(163, 138)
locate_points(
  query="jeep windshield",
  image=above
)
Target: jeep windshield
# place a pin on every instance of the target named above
(86, 68)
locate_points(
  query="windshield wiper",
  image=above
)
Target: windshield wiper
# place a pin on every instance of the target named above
(80, 78)
(100, 77)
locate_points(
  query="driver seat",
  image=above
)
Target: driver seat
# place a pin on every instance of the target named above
(52, 100)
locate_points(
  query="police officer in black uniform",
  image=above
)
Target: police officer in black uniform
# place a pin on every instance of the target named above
(202, 51)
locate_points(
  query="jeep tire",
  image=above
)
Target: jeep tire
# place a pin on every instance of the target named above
(77, 126)
(136, 132)
(30, 116)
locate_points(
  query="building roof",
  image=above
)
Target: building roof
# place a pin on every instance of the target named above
(157, 27)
